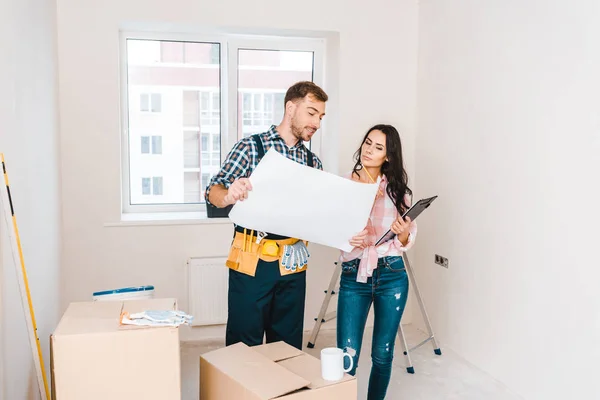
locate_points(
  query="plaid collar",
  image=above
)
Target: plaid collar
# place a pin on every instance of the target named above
(272, 134)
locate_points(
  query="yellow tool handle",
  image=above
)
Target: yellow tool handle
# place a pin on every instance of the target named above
(26, 282)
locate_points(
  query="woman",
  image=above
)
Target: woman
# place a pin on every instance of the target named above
(376, 275)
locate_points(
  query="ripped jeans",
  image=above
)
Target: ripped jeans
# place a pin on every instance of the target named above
(387, 290)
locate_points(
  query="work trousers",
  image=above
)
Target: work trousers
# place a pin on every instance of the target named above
(266, 304)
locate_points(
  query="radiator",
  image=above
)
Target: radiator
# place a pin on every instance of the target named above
(207, 288)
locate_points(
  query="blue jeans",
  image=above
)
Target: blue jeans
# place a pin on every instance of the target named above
(387, 290)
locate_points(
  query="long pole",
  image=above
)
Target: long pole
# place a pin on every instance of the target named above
(17, 252)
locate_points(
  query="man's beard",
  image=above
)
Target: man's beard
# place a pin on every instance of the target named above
(297, 131)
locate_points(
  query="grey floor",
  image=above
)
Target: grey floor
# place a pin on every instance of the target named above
(446, 377)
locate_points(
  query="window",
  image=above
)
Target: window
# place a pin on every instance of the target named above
(150, 102)
(210, 108)
(146, 182)
(156, 144)
(145, 144)
(215, 55)
(157, 185)
(260, 110)
(152, 186)
(262, 104)
(204, 93)
(186, 52)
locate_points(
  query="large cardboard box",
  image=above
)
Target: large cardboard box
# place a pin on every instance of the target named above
(271, 371)
(93, 358)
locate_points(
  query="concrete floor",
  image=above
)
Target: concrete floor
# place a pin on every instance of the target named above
(446, 377)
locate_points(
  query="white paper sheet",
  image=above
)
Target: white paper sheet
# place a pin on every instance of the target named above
(294, 200)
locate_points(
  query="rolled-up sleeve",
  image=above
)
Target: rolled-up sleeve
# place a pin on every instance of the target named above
(236, 165)
(412, 235)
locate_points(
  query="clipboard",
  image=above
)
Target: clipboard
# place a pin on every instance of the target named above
(412, 213)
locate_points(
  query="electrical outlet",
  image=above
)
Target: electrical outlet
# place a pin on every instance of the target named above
(443, 261)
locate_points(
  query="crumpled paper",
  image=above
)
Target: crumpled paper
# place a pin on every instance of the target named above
(157, 318)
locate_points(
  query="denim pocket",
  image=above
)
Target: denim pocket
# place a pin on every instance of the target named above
(349, 267)
(395, 264)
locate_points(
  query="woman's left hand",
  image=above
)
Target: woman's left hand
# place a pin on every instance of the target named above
(401, 228)
(359, 239)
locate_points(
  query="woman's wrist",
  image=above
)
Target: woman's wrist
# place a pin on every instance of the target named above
(404, 239)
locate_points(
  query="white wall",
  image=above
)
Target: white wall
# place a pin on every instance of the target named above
(28, 139)
(509, 138)
(376, 82)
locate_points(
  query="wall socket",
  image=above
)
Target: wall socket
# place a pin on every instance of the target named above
(443, 261)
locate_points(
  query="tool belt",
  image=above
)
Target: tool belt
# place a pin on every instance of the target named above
(247, 249)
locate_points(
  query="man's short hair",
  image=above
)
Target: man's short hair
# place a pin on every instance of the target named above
(300, 89)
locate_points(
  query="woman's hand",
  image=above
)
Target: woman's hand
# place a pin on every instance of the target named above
(359, 240)
(401, 228)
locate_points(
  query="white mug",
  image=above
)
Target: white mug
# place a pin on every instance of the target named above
(332, 363)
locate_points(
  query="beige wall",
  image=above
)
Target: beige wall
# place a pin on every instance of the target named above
(509, 139)
(29, 141)
(375, 82)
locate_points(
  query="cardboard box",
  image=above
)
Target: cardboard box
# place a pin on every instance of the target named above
(271, 371)
(93, 357)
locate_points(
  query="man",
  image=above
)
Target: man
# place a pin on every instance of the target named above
(266, 292)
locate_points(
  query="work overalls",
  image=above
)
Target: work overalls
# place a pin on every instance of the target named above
(266, 293)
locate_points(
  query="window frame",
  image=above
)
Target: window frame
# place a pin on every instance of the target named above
(230, 44)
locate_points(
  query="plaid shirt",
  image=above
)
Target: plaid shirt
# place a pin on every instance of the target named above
(383, 214)
(243, 158)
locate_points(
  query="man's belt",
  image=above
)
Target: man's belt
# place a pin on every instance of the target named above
(270, 236)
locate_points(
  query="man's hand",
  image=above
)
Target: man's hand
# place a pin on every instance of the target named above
(359, 239)
(238, 191)
(401, 227)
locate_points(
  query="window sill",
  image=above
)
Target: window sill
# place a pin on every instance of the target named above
(167, 218)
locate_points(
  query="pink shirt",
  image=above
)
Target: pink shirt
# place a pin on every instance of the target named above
(383, 214)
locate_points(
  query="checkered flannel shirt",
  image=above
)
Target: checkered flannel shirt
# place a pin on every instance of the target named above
(243, 158)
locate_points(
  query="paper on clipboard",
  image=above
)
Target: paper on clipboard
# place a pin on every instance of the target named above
(412, 213)
(291, 199)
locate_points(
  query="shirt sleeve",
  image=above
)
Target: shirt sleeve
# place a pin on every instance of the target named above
(236, 165)
(317, 161)
(411, 238)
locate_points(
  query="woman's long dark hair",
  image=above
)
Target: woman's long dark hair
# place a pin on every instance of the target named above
(393, 169)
